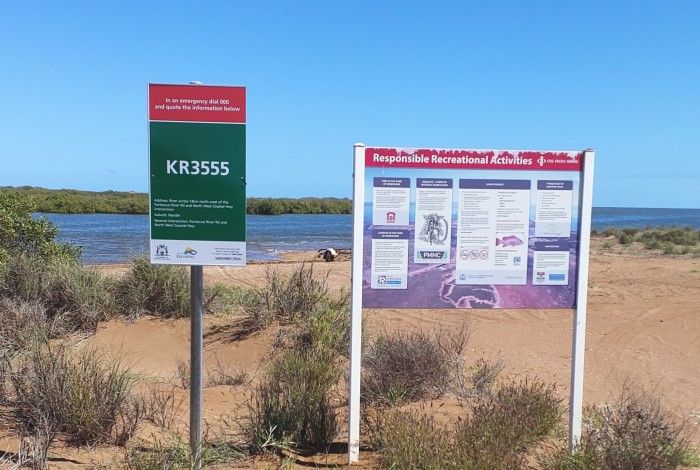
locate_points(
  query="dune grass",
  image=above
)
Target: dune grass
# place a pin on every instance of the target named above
(669, 240)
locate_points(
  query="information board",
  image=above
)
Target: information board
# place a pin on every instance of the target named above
(435, 228)
(197, 152)
(470, 228)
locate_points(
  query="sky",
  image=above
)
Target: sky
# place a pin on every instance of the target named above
(622, 78)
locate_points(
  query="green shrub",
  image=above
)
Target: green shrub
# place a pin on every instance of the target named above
(408, 366)
(284, 299)
(160, 290)
(20, 233)
(670, 240)
(634, 433)
(499, 432)
(326, 328)
(85, 395)
(225, 298)
(174, 454)
(412, 439)
(505, 425)
(292, 405)
(75, 298)
(483, 376)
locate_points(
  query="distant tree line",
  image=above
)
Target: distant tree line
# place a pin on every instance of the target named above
(71, 201)
(305, 205)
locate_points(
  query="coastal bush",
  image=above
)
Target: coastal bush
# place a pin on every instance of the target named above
(499, 431)
(75, 297)
(292, 407)
(670, 240)
(632, 433)
(412, 439)
(505, 425)
(174, 454)
(326, 328)
(481, 378)
(83, 395)
(20, 233)
(225, 299)
(409, 366)
(284, 299)
(160, 290)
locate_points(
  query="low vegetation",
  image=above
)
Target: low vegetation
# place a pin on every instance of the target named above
(632, 433)
(82, 395)
(670, 240)
(20, 233)
(174, 454)
(161, 290)
(294, 406)
(497, 431)
(410, 366)
(285, 299)
(54, 390)
(74, 297)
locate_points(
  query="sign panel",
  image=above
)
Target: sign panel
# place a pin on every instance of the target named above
(470, 228)
(197, 174)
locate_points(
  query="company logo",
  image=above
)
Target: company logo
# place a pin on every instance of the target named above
(462, 277)
(187, 253)
(162, 250)
(390, 217)
(432, 254)
(389, 280)
(516, 261)
(540, 275)
(541, 160)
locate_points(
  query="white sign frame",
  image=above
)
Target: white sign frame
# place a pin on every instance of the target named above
(579, 316)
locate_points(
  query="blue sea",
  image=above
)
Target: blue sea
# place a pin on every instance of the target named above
(110, 238)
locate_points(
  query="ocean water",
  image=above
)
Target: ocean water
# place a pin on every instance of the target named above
(110, 238)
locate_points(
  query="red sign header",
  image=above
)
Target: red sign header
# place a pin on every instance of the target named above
(473, 159)
(196, 103)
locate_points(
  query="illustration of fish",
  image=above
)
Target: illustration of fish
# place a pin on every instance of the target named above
(509, 240)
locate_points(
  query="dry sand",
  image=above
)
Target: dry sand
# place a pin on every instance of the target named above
(643, 327)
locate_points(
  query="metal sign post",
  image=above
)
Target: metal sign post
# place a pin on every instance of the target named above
(196, 347)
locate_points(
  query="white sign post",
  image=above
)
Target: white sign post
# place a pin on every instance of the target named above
(434, 211)
(358, 198)
(578, 344)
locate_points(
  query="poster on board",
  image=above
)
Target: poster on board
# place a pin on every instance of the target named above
(470, 228)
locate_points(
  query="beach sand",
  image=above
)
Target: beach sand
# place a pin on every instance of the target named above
(643, 328)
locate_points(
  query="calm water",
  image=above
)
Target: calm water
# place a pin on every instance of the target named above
(116, 238)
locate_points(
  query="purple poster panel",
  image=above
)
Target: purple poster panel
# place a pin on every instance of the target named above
(470, 229)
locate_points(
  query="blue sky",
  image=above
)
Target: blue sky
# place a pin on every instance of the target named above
(621, 77)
